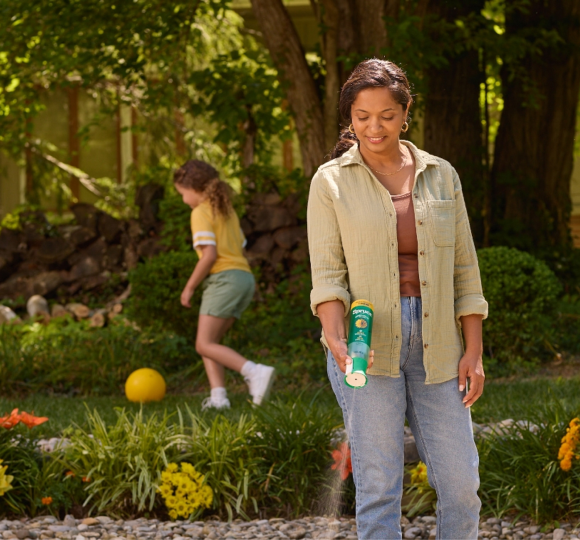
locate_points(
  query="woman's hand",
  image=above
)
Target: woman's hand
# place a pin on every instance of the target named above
(186, 295)
(338, 349)
(471, 367)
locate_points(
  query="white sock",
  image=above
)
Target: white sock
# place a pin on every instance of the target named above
(219, 394)
(248, 369)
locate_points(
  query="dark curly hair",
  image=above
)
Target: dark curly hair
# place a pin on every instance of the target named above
(202, 177)
(373, 73)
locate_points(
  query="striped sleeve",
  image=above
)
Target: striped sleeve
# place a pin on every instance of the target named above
(202, 228)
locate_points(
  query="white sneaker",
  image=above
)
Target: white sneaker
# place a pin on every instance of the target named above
(209, 403)
(260, 383)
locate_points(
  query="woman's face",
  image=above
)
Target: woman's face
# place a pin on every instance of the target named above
(377, 119)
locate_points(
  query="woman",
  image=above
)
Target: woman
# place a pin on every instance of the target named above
(387, 223)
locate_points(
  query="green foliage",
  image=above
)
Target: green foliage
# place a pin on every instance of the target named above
(223, 451)
(123, 462)
(296, 438)
(175, 215)
(156, 291)
(19, 452)
(69, 357)
(522, 293)
(253, 100)
(520, 471)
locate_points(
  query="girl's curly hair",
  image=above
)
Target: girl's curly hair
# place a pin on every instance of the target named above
(202, 177)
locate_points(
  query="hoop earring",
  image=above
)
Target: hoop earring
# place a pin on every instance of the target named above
(351, 129)
(405, 128)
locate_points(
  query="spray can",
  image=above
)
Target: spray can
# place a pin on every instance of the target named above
(359, 343)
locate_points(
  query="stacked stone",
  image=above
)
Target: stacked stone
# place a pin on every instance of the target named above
(322, 528)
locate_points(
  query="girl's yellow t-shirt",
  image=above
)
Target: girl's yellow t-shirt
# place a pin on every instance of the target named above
(225, 233)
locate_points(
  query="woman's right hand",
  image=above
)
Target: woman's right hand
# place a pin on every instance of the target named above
(339, 350)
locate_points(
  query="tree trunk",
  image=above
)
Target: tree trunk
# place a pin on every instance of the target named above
(284, 45)
(534, 147)
(453, 128)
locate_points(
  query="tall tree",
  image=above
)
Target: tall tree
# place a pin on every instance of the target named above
(453, 127)
(533, 156)
(349, 28)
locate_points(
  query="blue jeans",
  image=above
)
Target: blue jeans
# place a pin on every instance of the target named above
(374, 418)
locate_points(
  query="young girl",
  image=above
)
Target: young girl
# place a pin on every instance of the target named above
(229, 284)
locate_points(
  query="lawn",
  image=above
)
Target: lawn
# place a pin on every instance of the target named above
(514, 399)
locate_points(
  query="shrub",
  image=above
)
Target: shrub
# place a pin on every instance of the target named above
(122, 464)
(520, 470)
(69, 357)
(296, 438)
(20, 455)
(225, 451)
(522, 293)
(156, 290)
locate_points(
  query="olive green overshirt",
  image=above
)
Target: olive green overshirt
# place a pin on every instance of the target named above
(352, 237)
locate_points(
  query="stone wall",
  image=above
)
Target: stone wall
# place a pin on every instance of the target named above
(68, 260)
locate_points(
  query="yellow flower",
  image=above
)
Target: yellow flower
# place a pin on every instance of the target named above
(165, 490)
(5, 480)
(184, 491)
(187, 468)
(171, 502)
(172, 467)
(570, 441)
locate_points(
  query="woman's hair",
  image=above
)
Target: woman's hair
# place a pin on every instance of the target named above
(203, 178)
(373, 73)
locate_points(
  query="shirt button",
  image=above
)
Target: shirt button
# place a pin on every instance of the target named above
(426, 345)
(426, 314)
(424, 283)
(416, 196)
(421, 252)
(420, 222)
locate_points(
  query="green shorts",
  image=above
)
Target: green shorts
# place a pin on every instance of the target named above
(227, 294)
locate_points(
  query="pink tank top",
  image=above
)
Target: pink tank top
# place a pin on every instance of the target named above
(408, 247)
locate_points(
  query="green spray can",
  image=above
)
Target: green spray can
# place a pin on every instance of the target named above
(359, 343)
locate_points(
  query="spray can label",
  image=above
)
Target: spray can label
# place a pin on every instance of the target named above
(359, 342)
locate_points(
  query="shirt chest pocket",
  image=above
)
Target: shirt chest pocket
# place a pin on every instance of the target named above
(442, 222)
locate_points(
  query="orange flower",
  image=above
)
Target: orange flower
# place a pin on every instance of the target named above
(46, 500)
(70, 473)
(9, 421)
(29, 420)
(86, 479)
(342, 460)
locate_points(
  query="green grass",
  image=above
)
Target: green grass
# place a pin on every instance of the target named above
(500, 400)
(65, 411)
(521, 400)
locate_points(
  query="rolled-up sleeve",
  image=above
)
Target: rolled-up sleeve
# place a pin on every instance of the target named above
(468, 292)
(329, 271)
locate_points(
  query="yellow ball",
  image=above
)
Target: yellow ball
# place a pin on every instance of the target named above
(145, 385)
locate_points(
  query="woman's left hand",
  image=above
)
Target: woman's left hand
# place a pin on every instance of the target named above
(471, 367)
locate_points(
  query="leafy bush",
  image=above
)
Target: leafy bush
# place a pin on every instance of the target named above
(19, 453)
(156, 291)
(122, 463)
(522, 293)
(295, 464)
(69, 357)
(223, 451)
(520, 470)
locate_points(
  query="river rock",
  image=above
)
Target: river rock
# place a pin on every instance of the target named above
(37, 305)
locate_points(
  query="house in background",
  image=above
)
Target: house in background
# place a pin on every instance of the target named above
(112, 147)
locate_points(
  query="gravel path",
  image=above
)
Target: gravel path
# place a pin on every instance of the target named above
(322, 528)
